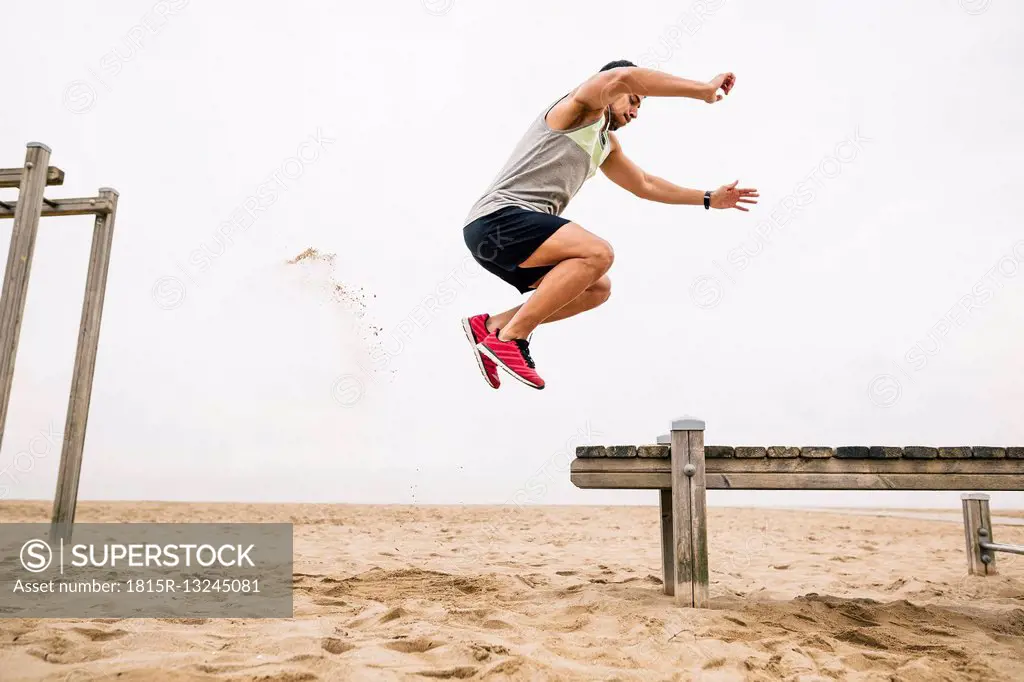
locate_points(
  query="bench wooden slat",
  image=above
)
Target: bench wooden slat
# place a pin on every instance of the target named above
(872, 466)
(804, 481)
(813, 466)
(914, 452)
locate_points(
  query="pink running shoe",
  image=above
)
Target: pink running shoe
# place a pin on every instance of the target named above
(476, 331)
(513, 357)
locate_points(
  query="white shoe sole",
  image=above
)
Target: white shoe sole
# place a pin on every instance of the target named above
(487, 351)
(466, 327)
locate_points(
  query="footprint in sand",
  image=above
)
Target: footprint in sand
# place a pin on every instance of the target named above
(462, 672)
(413, 646)
(333, 645)
(533, 580)
(393, 614)
(495, 624)
(97, 635)
(329, 602)
(483, 652)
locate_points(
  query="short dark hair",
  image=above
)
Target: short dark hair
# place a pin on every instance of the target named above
(616, 64)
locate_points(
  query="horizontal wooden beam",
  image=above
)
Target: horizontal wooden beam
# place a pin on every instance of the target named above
(801, 481)
(773, 467)
(865, 481)
(63, 207)
(631, 481)
(807, 474)
(11, 177)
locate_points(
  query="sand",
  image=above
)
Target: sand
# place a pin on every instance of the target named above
(564, 593)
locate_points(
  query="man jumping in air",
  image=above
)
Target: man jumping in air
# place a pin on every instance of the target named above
(515, 230)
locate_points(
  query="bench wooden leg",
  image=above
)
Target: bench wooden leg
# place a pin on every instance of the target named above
(689, 513)
(667, 556)
(976, 518)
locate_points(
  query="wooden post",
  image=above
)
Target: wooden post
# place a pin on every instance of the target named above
(668, 557)
(689, 513)
(977, 521)
(66, 498)
(19, 264)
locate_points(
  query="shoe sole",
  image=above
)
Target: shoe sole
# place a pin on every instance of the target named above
(484, 350)
(468, 328)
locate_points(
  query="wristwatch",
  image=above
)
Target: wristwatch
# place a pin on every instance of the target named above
(707, 200)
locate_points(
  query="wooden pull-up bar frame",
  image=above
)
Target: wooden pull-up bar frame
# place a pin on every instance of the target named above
(31, 180)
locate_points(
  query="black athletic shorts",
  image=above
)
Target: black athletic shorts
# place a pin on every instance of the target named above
(501, 240)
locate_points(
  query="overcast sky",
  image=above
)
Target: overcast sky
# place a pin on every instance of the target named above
(874, 296)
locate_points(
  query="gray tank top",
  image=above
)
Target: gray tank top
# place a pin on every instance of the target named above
(546, 168)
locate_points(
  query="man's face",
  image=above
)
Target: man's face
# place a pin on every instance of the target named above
(624, 109)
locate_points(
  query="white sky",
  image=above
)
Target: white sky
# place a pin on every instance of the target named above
(230, 393)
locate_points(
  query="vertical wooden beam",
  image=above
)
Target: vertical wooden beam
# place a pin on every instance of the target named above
(689, 513)
(66, 498)
(19, 264)
(667, 555)
(978, 521)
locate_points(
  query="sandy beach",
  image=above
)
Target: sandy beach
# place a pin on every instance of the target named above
(563, 593)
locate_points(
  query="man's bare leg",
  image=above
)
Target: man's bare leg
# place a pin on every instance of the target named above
(593, 296)
(580, 259)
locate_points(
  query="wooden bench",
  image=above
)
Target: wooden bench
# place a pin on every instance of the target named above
(682, 468)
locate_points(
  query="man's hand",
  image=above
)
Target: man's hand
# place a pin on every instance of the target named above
(723, 81)
(728, 196)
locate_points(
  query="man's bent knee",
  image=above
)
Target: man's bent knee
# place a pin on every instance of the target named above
(600, 255)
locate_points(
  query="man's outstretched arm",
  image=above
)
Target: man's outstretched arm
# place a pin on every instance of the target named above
(601, 89)
(626, 174)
